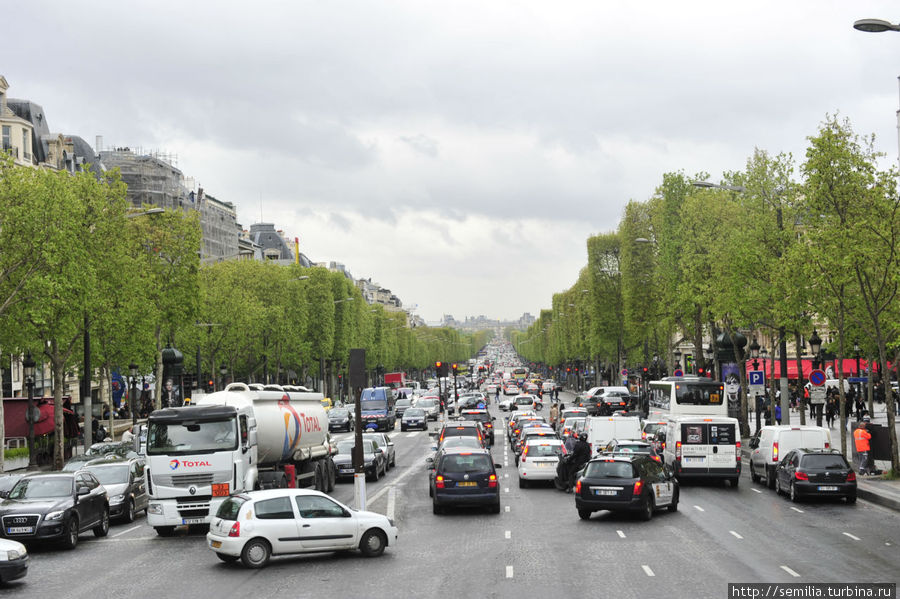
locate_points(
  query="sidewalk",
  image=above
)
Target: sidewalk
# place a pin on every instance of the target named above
(871, 488)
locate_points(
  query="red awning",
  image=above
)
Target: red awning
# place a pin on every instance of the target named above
(14, 409)
(774, 370)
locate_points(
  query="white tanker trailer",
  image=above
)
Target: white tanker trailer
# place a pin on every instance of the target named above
(235, 440)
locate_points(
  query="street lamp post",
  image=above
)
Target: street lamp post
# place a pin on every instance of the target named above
(815, 345)
(28, 368)
(858, 373)
(677, 355)
(133, 370)
(708, 351)
(754, 355)
(223, 372)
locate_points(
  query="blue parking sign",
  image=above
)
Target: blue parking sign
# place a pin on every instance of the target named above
(757, 377)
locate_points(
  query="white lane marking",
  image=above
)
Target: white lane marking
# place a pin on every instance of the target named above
(887, 544)
(509, 571)
(854, 537)
(506, 489)
(506, 475)
(735, 535)
(506, 508)
(621, 534)
(508, 534)
(755, 490)
(699, 509)
(647, 570)
(411, 435)
(789, 571)
(798, 510)
(119, 534)
(391, 501)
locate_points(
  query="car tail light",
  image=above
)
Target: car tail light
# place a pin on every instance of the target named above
(827, 445)
(737, 452)
(235, 530)
(637, 488)
(439, 482)
(851, 478)
(525, 453)
(656, 457)
(775, 452)
(801, 475)
(578, 487)
(643, 435)
(492, 482)
(677, 450)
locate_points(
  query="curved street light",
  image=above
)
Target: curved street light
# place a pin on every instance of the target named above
(875, 25)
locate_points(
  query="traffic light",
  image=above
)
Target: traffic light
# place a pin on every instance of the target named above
(646, 372)
(210, 386)
(455, 367)
(701, 372)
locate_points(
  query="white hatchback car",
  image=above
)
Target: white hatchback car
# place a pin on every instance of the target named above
(254, 526)
(539, 460)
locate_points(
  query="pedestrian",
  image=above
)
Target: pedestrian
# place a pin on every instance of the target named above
(830, 409)
(554, 415)
(778, 413)
(128, 436)
(861, 438)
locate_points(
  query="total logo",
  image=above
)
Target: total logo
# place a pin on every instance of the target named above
(188, 464)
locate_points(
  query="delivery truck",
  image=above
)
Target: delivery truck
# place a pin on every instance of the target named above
(235, 440)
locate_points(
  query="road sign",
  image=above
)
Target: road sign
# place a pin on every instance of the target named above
(756, 377)
(817, 395)
(817, 378)
(624, 372)
(678, 372)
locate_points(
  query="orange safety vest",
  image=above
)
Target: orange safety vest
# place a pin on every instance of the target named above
(861, 437)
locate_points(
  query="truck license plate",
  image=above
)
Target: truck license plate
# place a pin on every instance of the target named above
(18, 530)
(193, 520)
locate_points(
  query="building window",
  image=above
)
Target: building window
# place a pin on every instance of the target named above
(25, 144)
(7, 142)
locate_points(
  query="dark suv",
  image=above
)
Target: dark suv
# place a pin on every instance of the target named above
(55, 506)
(461, 428)
(815, 472)
(634, 483)
(486, 420)
(465, 477)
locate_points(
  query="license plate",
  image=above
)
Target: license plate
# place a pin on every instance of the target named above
(346, 471)
(18, 530)
(604, 492)
(698, 460)
(467, 484)
(827, 488)
(193, 520)
(542, 464)
(215, 544)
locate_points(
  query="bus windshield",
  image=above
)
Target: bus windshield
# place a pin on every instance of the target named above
(699, 394)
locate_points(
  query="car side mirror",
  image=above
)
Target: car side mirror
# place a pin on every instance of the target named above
(754, 443)
(4, 494)
(83, 491)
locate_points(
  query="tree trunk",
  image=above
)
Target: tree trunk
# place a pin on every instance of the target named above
(699, 357)
(870, 388)
(889, 405)
(3, 431)
(157, 399)
(59, 372)
(801, 396)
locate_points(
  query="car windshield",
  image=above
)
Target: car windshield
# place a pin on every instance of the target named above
(339, 413)
(451, 442)
(426, 403)
(403, 403)
(459, 463)
(191, 437)
(544, 450)
(824, 462)
(610, 469)
(414, 413)
(42, 487)
(110, 475)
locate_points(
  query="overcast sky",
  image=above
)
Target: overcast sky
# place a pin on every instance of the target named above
(459, 153)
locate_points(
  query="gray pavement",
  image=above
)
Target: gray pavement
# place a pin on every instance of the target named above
(536, 547)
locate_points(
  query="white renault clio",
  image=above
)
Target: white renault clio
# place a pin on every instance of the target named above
(254, 526)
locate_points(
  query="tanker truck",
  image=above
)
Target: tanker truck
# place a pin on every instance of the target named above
(243, 438)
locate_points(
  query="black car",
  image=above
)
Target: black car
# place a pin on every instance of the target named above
(465, 477)
(55, 506)
(486, 420)
(373, 458)
(401, 405)
(125, 485)
(815, 472)
(635, 483)
(340, 419)
(625, 447)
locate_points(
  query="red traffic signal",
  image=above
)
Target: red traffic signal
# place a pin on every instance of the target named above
(568, 370)
(437, 364)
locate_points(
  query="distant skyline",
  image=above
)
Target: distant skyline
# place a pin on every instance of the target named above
(459, 154)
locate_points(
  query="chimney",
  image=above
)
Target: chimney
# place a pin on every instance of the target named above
(98, 144)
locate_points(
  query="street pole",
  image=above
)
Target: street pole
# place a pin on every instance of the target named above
(28, 367)
(86, 400)
(357, 380)
(133, 369)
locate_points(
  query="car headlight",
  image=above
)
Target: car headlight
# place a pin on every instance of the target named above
(117, 498)
(55, 515)
(16, 554)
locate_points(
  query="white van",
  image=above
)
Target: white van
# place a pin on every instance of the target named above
(603, 429)
(771, 443)
(703, 447)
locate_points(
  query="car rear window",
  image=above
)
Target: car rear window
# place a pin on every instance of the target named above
(459, 463)
(460, 431)
(708, 434)
(824, 462)
(544, 450)
(230, 508)
(610, 469)
(625, 448)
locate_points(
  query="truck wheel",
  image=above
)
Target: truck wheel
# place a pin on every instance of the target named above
(372, 543)
(332, 477)
(770, 477)
(318, 483)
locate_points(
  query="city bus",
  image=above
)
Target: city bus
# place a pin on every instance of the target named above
(688, 395)
(519, 374)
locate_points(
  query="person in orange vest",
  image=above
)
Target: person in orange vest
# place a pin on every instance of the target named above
(861, 437)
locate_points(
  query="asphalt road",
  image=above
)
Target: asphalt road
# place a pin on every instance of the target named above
(536, 547)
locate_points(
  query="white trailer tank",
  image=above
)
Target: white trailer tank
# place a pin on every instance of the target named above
(289, 426)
